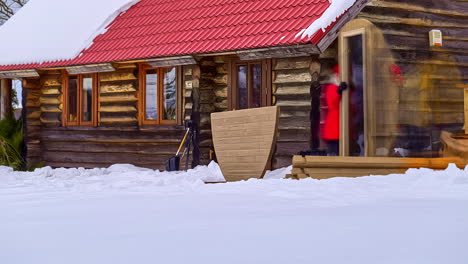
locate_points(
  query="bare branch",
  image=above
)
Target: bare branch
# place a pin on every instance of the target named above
(20, 3)
(9, 7)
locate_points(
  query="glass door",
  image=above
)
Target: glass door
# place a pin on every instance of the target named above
(354, 118)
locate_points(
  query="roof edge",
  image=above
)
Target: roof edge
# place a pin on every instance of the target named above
(332, 34)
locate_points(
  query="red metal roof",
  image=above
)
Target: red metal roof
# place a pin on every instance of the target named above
(160, 28)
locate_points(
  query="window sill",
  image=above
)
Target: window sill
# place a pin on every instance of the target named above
(148, 128)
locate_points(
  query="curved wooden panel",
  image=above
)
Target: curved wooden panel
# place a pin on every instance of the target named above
(454, 145)
(243, 141)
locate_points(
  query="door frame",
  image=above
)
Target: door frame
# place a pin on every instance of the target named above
(348, 31)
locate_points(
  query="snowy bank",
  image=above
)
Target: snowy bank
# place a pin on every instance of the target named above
(124, 214)
(118, 176)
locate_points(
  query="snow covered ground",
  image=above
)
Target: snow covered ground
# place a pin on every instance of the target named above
(125, 214)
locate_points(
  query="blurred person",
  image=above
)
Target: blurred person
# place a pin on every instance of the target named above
(330, 106)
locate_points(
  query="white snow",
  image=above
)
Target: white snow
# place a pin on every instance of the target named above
(53, 30)
(126, 214)
(278, 174)
(335, 10)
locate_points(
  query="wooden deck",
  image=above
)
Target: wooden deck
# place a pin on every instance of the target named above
(329, 167)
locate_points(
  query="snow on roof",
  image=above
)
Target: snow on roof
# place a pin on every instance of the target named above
(54, 30)
(336, 9)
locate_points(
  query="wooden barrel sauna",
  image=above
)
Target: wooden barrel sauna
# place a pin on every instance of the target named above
(243, 141)
(454, 145)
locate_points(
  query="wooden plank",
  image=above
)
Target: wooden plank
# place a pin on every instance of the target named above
(172, 61)
(449, 8)
(293, 76)
(278, 52)
(466, 109)
(33, 115)
(149, 148)
(292, 63)
(107, 88)
(326, 173)
(122, 75)
(53, 90)
(50, 121)
(111, 136)
(125, 119)
(51, 109)
(108, 158)
(98, 164)
(50, 100)
(117, 108)
(118, 98)
(375, 162)
(51, 80)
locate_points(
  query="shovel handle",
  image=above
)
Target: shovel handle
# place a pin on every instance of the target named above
(183, 141)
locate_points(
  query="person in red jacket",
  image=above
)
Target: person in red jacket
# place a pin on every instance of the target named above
(330, 103)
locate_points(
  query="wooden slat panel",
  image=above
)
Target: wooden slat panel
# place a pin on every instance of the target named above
(243, 141)
(374, 162)
(329, 167)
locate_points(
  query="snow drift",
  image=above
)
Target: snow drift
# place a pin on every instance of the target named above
(125, 214)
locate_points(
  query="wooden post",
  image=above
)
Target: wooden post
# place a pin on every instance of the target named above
(315, 92)
(466, 110)
(195, 117)
(5, 106)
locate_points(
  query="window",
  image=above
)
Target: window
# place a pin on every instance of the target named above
(159, 95)
(251, 84)
(80, 100)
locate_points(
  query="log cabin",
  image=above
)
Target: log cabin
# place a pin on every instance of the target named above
(126, 96)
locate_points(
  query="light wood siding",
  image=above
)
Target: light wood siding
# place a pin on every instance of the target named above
(244, 140)
(432, 74)
(330, 167)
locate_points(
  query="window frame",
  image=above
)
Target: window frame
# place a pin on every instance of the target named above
(266, 89)
(143, 67)
(95, 112)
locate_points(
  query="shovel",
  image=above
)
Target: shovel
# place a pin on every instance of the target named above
(173, 163)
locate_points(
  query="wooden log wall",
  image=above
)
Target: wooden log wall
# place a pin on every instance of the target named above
(101, 147)
(213, 97)
(433, 90)
(117, 139)
(291, 92)
(32, 122)
(51, 101)
(191, 100)
(191, 88)
(117, 97)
